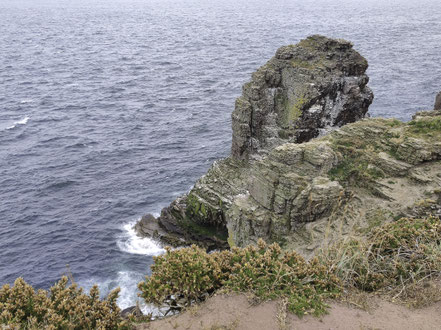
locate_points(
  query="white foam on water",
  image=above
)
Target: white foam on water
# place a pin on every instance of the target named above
(127, 281)
(131, 243)
(22, 121)
(128, 296)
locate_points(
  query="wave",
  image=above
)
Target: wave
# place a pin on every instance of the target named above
(130, 242)
(22, 121)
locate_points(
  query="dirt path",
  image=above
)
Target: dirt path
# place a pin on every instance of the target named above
(235, 312)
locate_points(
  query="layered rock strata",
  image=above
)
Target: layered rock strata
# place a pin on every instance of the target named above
(302, 195)
(305, 195)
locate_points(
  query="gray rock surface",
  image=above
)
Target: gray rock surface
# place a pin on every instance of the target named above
(304, 195)
(304, 91)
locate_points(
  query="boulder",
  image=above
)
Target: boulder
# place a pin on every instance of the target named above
(134, 311)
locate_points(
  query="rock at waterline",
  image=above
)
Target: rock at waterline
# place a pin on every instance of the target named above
(133, 310)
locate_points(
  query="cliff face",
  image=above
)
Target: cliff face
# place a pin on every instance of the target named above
(304, 91)
(304, 194)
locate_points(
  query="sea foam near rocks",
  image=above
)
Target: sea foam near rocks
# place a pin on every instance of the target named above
(130, 242)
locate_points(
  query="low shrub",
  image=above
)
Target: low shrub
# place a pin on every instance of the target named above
(188, 275)
(63, 307)
(395, 256)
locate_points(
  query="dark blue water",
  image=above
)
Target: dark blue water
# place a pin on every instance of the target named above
(110, 109)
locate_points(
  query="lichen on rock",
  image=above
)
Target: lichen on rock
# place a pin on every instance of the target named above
(305, 90)
(301, 194)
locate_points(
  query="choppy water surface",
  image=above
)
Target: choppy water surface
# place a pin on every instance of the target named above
(110, 109)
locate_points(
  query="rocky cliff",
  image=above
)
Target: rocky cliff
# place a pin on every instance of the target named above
(302, 195)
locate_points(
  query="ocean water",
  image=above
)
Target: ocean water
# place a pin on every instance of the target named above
(110, 109)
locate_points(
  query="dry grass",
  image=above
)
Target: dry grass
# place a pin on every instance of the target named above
(420, 294)
(397, 259)
(359, 299)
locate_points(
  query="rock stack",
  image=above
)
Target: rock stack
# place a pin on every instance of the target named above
(304, 91)
(299, 173)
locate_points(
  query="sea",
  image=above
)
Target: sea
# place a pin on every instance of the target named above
(110, 109)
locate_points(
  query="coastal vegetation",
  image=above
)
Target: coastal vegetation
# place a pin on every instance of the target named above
(182, 277)
(395, 258)
(392, 257)
(62, 307)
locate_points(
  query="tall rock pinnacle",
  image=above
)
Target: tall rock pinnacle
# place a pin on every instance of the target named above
(304, 91)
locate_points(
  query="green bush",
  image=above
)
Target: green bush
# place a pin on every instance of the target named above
(184, 274)
(190, 274)
(394, 255)
(62, 307)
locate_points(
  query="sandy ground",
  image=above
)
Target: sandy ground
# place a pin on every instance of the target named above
(236, 312)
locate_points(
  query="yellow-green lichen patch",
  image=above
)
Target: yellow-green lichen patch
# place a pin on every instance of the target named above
(309, 44)
(297, 63)
(294, 111)
(230, 239)
(202, 219)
